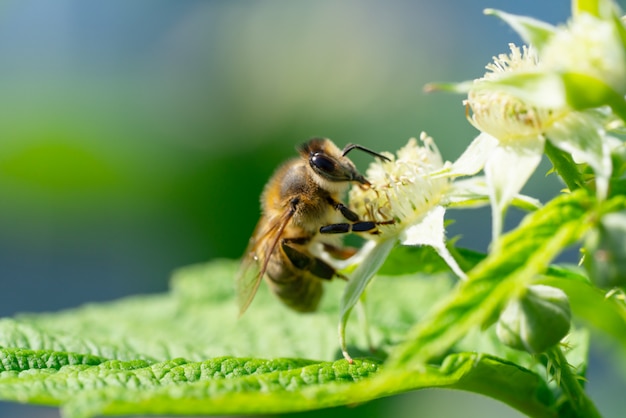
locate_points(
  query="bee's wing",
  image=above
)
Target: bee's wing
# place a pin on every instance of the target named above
(248, 279)
(254, 264)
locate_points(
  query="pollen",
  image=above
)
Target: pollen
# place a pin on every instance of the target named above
(500, 113)
(402, 189)
(518, 60)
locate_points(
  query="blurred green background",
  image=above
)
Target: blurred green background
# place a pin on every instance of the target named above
(136, 136)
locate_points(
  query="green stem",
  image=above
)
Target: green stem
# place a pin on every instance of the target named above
(581, 405)
(565, 166)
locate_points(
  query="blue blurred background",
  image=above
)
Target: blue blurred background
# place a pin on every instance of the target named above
(136, 136)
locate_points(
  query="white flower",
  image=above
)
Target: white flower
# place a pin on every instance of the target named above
(410, 190)
(588, 45)
(515, 124)
(402, 189)
(568, 88)
(512, 138)
(504, 115)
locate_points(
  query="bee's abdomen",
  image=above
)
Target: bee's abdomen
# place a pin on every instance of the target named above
(302, 294)
(296, 289)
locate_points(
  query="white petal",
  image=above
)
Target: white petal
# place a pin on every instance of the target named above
(430, 231)
(468, 193)
(474, 192)
(507, 171)
(532, 31)
(474, 157)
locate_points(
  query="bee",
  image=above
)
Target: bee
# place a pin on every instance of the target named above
(301, 216)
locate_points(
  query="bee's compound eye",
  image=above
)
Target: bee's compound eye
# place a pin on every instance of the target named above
(322, 163)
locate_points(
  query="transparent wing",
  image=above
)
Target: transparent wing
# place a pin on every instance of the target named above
(254, 264)
(249, 275)
(248, 278)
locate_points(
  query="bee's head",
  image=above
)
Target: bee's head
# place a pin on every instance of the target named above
(330, 164)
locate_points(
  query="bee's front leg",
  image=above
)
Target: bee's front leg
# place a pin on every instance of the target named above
(355, 224)
(345, 211)
(345, 227)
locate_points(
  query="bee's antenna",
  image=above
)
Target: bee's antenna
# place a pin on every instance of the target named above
(350, 147)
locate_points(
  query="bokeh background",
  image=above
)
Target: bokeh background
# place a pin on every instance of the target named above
(135, 137)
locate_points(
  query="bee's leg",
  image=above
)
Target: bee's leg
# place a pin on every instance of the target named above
(355, 224)
(345, 211)
(358, 226)
(306, 262)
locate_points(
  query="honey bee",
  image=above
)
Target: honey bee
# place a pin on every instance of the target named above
(301, 214)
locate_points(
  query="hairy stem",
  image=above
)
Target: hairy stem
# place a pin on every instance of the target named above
(569, 383)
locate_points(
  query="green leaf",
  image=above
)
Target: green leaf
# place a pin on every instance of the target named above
(581, 135)
(598, 8)
(544, 90)
(405, 260)
(487, 341)
(126, 357)
(19, 359)
(101, 351)
(79, 383)
(245, 386)
(424, 259)
(584, 91)
(565, 167)
(532, 31)
(198, 319)
(514, 263)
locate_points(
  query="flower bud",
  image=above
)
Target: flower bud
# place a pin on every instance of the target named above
(536, 321)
